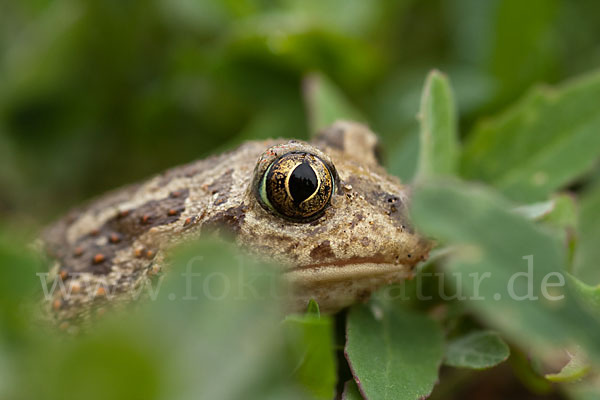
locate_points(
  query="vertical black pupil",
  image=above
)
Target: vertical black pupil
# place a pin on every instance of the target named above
(303, 182)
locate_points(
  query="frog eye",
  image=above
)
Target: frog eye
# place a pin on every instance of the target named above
(297, 186)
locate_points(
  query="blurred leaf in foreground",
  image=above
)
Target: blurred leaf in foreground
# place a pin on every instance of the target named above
(541, 144)
(213, 331)
(477, 350)
(563, 222)
(564, 212)
(18, 286)
(311, 344)
(559, 215)
(584, 390)
(589, 294)
(511, 271)
(587, 257)
(394, 353)
(536, 211)
(439, 143)
(18, 298)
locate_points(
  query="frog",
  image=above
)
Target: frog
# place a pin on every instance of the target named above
(324, 211)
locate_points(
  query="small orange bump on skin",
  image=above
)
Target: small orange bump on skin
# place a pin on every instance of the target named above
(149, 254)
(145, 219)
(78, 251)
(100, 292)
(94, 232)
(56, 304)
(75, 288)
(190, 220)
(63, 274)
(138, 252)
(175, 194)
(123, 214)
(98, 258)
(114, 238)
(172, 212)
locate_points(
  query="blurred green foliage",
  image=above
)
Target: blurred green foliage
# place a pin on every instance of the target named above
(215, 335)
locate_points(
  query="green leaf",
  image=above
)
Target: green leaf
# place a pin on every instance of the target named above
(510, 270)
(213, 331)
(589, 294)
(563, 221)
(477, 350)
(19, 285)
(313, 308)
(539, 145)
(559, 215)
(576, 368)
(351, 391)
(438, 154)
(528, 370)
(587, 256)
(393, 353)
(326, 104)
(564, 212)
(311, 344)
(535, 211)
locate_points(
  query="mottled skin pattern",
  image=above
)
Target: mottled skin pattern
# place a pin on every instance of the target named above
(363, 239)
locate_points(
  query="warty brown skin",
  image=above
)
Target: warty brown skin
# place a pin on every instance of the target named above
(362, 240)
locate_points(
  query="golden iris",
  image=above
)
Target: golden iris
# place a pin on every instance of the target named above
(297, 185)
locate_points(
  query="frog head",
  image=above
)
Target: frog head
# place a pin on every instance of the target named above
(330, 213)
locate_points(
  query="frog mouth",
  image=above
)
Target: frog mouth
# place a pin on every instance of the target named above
(344, 262)
(376, 267)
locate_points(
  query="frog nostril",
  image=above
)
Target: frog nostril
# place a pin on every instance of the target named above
(393, 202)
(392, 199)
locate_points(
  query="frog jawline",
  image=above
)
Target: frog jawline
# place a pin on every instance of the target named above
(364, 268)
(341, 263)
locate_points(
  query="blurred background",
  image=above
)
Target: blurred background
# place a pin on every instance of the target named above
(95, 94)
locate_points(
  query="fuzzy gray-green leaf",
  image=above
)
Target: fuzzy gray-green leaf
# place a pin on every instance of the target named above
(477, 350)
(539, 145)
(438, 137)
(521, 287)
